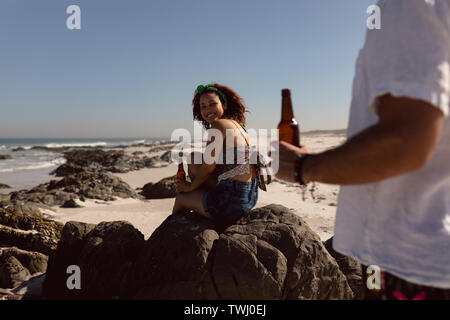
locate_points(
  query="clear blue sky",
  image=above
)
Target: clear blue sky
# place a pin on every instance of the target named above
(132, 69)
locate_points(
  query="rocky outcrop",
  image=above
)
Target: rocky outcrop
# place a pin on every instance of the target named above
(176, 261)
(164, 146)
(4, 186)
(105, 254)
(350, 267)
(93, 185)
(22, 270)
(164, 188)
(23, 226)
(99, 160)
(21, 207)
(70, 204)
(159, 148)
(28, 231)
(166, 156)
(268, 254)
(41, 196)
(12, 273)
(5, 157)
(34, 261)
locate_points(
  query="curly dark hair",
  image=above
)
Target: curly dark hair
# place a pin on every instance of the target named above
(236, 108)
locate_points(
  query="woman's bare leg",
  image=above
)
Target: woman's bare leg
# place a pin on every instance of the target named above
(194, 200)
(190, 200)
(178, 206)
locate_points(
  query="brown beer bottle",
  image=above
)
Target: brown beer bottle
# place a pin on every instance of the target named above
(288, 130)
(181, 175)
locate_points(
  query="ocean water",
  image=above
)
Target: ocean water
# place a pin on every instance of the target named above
(29, 167)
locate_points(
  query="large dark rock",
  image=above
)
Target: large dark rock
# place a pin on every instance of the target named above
(268, 254)
(73, 238)
(350, 267)
(105, 253)
(12, 273)
(31, 232)
(176, 260)
(164, 188)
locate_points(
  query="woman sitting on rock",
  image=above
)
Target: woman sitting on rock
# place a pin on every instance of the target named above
(222, 190)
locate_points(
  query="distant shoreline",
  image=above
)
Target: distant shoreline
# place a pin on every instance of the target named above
(316, 131)
(335, 131)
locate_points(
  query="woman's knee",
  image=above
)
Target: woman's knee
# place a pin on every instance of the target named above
(193, 170)
(195, 164)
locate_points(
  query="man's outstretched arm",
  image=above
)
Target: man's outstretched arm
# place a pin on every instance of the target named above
(403, 140)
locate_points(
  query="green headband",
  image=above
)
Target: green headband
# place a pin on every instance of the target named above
(201, 89)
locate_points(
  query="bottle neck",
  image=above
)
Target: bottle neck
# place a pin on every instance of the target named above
(287, 114)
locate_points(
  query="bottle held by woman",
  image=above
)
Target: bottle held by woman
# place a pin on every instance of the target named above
(181, 174)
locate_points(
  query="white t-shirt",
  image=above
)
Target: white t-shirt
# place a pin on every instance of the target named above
(402, 224)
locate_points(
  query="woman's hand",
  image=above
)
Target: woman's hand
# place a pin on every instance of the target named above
(183, 186)
(287, 155)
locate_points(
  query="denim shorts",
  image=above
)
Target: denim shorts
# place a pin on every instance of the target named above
(231, 199)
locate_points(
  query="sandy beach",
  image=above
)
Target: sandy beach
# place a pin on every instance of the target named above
(105, 184)
(147, 215)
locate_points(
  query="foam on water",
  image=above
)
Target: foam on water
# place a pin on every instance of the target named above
(29, 167)
(36, 165)
(76, 144)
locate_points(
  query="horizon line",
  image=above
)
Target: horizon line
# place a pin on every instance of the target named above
(309, 131)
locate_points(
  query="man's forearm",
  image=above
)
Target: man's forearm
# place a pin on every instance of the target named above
(374, 154)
